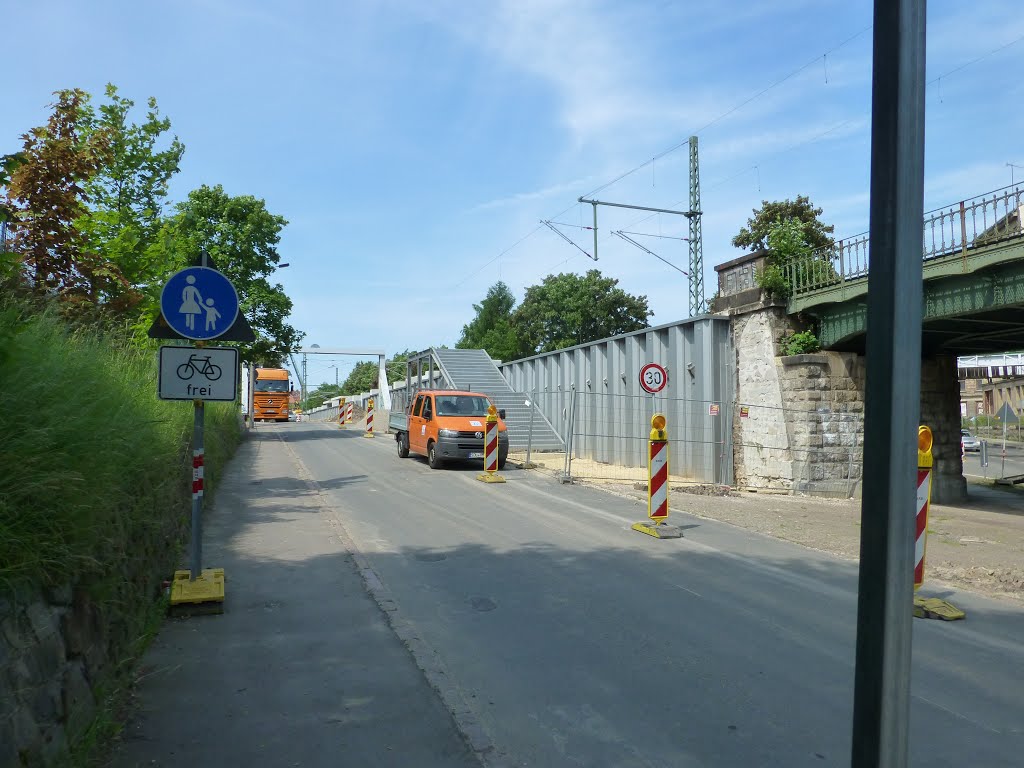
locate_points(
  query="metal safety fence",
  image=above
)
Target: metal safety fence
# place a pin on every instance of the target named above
(802, 449)
(973, 223)
(606, 437)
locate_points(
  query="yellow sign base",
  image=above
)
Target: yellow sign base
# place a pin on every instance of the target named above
(368, 434)
(206, 592)
(934, 608)
(658, 530)
(490, 477)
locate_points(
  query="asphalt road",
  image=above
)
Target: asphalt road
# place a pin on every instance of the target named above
(576, 641)
(997, 467)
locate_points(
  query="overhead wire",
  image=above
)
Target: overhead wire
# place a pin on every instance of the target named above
(718, 119)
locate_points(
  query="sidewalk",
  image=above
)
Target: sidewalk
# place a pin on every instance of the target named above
(302, 669)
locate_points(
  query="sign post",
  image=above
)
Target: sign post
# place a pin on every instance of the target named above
(200, 304)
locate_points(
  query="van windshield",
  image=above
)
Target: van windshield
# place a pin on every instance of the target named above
(271, 385)
(461, 405)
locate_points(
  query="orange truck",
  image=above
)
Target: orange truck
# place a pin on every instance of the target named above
(447, 425)
(271, 393)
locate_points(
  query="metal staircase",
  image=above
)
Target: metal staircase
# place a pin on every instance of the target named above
(473, 369)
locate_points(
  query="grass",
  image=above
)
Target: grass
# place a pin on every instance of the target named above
(96, 468)
(95, 490)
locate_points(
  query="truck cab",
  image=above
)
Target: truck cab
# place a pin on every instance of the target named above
(448, 425)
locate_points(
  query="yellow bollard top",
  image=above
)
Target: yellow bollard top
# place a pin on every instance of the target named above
(924, 447)
(658, 428)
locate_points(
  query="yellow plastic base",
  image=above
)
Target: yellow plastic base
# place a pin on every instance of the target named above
(490, 477)
(208, 588)
(369, 434)
(934, 608)
(658, 530)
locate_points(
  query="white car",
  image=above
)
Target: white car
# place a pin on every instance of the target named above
(969, 442)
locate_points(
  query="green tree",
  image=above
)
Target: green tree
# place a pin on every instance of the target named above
(815, 234)
(492, 329)
(362, 378)
(46, 195)
(241, 237)
(127, 195)
(569, 309)
(791, 257)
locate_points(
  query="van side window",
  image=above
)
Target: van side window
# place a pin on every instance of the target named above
(417, 406)
(427, 410)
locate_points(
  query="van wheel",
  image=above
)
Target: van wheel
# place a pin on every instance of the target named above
(403, 445)
(435, 461)
(501, 464)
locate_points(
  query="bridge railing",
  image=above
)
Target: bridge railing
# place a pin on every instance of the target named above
(972, 223)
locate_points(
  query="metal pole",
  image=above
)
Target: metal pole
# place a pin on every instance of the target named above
(881, 704)
(251, 394)
(594, 206)
(529, 437)
(198, 459)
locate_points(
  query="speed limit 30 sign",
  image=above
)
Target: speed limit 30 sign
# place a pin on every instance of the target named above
(653, 378)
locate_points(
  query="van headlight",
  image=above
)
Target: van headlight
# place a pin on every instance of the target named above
(448, 433)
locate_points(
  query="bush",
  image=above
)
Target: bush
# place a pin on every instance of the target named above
(771, 280)
(800, 344)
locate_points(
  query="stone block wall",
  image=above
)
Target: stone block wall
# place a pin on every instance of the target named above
(804, 423)
(53, 652)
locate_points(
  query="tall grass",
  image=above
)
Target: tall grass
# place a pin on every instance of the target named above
(94, 469)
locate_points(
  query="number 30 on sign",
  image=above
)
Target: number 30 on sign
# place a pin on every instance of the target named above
(653, 378)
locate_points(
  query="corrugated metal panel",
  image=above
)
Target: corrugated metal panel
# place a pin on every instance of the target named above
(613, 412)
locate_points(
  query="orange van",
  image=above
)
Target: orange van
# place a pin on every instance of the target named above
(447, 425)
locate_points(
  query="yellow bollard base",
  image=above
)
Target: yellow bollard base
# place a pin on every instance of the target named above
(490, 477)
(935, 608)
(368, 434)
(658, 530)
(204, 595)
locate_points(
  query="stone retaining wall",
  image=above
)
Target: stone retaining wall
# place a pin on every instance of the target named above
(53, 652)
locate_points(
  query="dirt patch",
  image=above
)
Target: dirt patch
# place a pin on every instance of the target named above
(978, 546)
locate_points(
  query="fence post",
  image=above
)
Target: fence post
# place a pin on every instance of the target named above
(529, 436)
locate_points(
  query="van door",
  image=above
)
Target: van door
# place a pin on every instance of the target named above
(417, 427)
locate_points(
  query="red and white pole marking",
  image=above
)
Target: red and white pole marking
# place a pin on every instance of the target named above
(350, 412)
(197, 474)
(657, 487)
(924, 481)
(369, 416)
(491, 442)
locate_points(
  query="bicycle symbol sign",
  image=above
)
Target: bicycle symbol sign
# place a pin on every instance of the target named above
(187, 373)
(653, 378)
(201, 365)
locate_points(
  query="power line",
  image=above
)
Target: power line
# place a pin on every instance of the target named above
(726, 114)
(721, 117)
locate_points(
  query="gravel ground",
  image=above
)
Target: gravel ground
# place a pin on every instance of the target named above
(978, 546)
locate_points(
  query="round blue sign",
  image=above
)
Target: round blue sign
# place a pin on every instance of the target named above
(199, 303)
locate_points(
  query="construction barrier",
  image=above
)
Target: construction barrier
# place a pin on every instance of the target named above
(369, 418)
(657, 483)
(930, 607)
(924, 493)
(350, 412)
(341, 414)
(490, 473)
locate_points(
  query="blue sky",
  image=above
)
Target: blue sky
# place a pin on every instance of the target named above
(410, 143)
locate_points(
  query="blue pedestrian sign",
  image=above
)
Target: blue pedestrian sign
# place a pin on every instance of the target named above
(199, 303)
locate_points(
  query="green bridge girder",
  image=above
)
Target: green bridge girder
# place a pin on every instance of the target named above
(973, 302)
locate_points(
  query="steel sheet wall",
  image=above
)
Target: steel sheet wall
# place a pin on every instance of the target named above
(696, 353)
